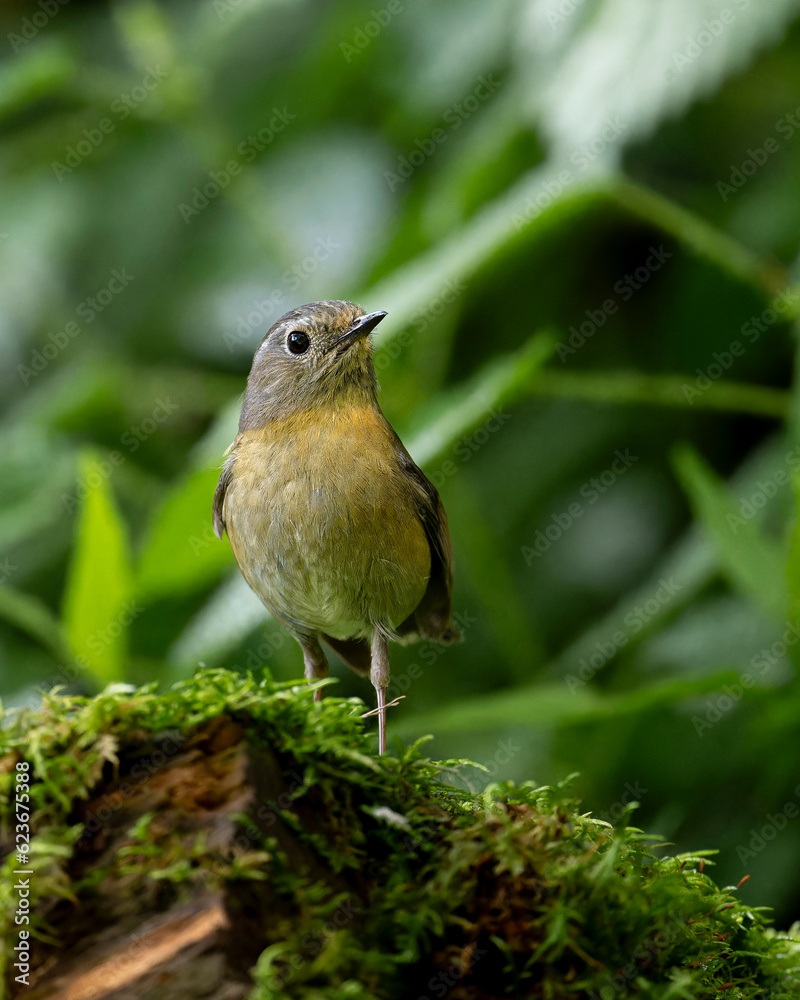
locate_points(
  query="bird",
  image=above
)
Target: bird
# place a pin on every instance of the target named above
(335, 528)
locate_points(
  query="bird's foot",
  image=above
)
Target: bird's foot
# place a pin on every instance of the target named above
(381, 721)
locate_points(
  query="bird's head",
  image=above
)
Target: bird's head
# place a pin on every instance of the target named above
(316, 355)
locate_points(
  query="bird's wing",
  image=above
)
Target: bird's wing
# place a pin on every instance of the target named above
(432, 617)
(222, 486)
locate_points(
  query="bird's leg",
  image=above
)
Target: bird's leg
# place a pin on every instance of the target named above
(379, 675)
(316, 665)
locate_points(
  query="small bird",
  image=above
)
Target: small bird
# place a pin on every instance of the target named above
(332, 524)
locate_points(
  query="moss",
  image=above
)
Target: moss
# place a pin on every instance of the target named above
(336, 874)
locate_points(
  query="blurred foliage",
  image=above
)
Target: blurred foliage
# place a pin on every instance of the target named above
(583, 220)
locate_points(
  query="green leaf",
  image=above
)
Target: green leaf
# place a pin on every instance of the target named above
(182, 553)
(35, 72)
(751, 561)
(464, 252)
(690, 564)
(556, 705)
(97, 605)
(793, 563)
(34, 617)
(624, 67)
(661, 390)
(229, 615)
(502, 382)
(36, 472)
(506, 613)
(145, 32)
(588, 107)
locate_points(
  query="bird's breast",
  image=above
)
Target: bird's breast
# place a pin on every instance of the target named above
(323, 522)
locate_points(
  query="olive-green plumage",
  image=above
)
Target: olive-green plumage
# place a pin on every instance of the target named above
(331, 522)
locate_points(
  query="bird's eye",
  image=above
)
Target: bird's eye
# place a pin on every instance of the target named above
(298, 342)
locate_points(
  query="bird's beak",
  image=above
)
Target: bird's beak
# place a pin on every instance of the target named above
(359, 328)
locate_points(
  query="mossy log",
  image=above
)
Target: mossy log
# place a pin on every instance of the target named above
(231, 838)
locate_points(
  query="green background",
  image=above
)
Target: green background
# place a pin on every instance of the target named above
(583, 219)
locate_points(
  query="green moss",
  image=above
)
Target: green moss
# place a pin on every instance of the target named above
(412, 888)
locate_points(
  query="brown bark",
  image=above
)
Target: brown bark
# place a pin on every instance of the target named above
(131, 936)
